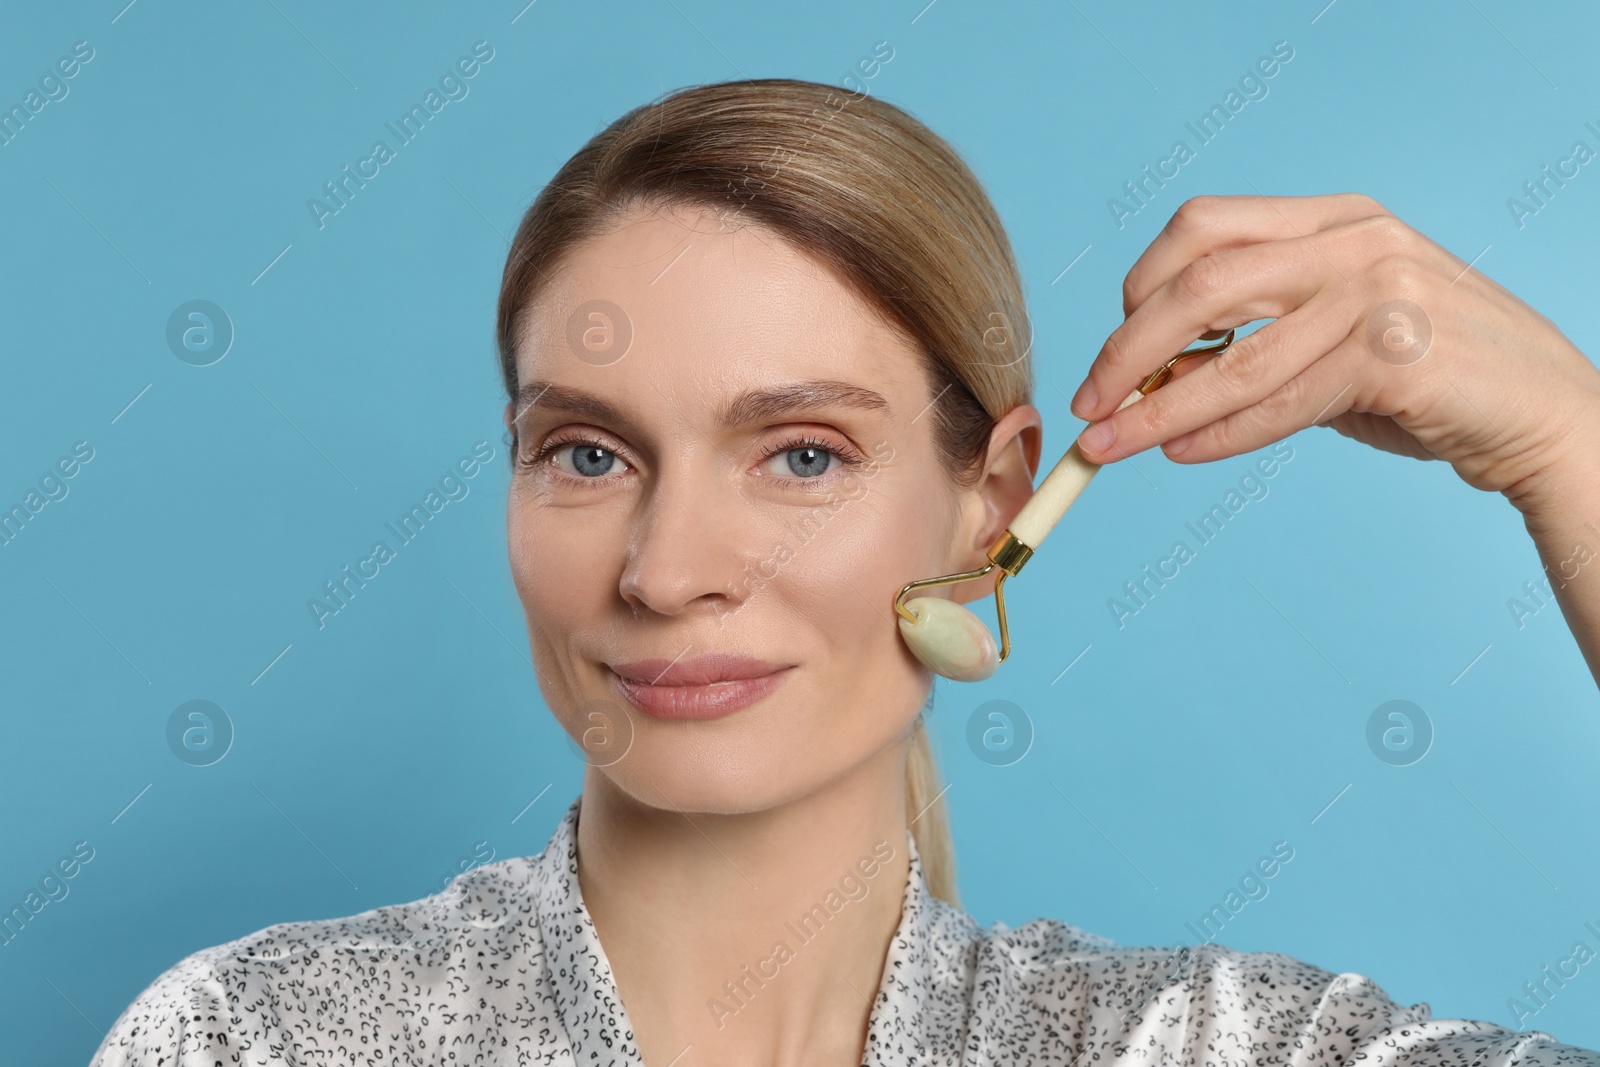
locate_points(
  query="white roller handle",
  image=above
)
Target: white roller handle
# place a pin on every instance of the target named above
(1057, 492)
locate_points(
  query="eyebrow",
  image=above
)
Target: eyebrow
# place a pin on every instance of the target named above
(755, 405)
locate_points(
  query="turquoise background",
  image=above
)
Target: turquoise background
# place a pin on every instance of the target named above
(372, 757)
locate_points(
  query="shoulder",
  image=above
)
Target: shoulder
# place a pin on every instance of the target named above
(283, 986)
(1054, 980)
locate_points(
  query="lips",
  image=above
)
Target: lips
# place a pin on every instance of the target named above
(708, 686)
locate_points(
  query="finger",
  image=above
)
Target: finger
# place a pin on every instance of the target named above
(1322, 392)
(1226, 289)
(1244, 375)
(1206, 225)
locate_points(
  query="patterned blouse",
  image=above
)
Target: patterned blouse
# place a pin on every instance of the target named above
(504, 967)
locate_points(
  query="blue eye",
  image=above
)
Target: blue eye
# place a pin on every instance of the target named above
(808, 462)
(586, 460)
(802, 460)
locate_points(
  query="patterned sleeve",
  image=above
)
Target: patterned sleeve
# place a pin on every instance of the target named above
(1048, 996)
(182, 1019)
(1272, 1008)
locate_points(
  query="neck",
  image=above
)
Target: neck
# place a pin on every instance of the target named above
(755, 937)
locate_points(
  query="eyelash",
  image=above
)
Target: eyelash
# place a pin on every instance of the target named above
(848, 458)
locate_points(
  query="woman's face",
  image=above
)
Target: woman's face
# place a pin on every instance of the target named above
(721, 451)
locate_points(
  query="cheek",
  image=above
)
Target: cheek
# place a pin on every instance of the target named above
(843, 578)
(558, 563)
(561, 571)
(842, 584)
(876, 543)
(524, 540)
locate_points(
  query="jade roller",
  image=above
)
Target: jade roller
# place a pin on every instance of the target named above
(954, 642)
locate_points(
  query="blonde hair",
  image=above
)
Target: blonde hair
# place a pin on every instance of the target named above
(863, 187)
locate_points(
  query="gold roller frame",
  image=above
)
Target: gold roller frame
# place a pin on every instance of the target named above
(1050, 501)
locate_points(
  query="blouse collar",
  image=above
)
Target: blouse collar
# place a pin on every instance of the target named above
(602, 1035)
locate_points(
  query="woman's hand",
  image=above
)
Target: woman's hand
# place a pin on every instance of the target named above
(1379, 333)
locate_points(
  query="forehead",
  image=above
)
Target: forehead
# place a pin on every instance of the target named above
(698, 299)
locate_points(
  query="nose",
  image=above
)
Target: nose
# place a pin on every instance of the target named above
(684, 554)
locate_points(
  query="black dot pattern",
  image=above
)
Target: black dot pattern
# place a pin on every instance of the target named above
(504, 967)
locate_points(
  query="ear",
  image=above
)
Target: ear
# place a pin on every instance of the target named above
(1005, 485)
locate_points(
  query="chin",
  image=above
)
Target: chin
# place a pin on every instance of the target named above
(733, 787)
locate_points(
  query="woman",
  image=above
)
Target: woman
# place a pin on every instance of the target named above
(760, 344)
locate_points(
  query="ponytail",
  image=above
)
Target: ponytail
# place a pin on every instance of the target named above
(931, 830)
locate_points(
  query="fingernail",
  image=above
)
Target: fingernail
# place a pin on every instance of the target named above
(1085, 398)
(1097, 437)
(1179, 443)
